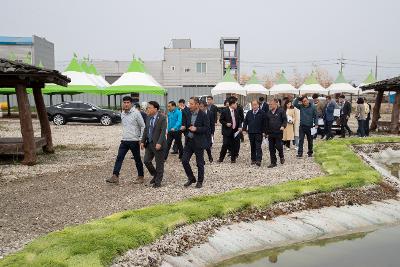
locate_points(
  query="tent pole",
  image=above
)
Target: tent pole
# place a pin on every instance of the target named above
(8, 106)
(108, 101)
(51, 99)
(62, 98)
(115, 102)
(72, 99)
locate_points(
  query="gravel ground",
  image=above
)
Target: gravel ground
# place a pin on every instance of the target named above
(68, 188)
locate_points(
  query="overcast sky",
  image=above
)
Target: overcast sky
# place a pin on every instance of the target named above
(270, 31)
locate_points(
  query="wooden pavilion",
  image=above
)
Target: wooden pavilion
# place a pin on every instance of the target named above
(388, 85)
(22, 76)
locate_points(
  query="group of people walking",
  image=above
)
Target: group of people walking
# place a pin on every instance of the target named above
(280, 123)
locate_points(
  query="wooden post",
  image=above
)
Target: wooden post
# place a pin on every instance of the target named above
(376, 111)
(394, 124)
(8, 106)
(44, 120)
(25, 120)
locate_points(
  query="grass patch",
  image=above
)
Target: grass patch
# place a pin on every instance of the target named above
(98, 242)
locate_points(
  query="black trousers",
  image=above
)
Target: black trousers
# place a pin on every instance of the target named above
(274, 144)
(255, 146)
(174, 136)
(188, 151)
(209, 146)
(149, 154)
(367, 127)
(305, 131)
(287, 143)
(344, 126)
(231, 143)
(328, 129)
(124, 147)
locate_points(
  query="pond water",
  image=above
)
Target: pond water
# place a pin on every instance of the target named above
(377, 248)
(390, 160)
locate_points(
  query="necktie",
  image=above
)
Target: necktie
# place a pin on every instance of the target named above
(233, 119)
(151, 129)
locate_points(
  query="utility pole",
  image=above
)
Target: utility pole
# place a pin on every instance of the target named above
(341, 63)
(376, 67)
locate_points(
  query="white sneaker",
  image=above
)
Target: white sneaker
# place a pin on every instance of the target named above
(287, 149)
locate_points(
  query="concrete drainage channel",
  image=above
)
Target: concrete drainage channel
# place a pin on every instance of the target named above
(241, 238)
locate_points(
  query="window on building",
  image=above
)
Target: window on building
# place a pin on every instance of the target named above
(187, 69)
(173, 68)
(201, 67)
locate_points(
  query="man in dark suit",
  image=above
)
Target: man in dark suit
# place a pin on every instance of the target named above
(154, 142)
(345, 112)
(254, 124)
(263, 104)
(197, 127)
(276, 122)
(213, 108)
(211, 129)
(231, 129)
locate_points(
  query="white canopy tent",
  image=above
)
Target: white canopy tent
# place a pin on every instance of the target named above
(228, 85)
(282, 86)
(253, 86)
(311, 86)
(342, 86)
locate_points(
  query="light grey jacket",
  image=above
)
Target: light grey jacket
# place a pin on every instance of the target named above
(360, 112)
(132, 125)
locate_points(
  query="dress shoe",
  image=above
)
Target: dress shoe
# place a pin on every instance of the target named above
(258, 164)
(139, 180)
(211, 160)
(113, 179)
(310, 155)
(199, 185)
(153, 181)
(156, 185)
(299, 156)
(174, 152)
(253, 162)
(189, 183)
(220, 160)
(272, 165)
(282, 160)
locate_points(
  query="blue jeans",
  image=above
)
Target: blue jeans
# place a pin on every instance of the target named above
(124, 147)
(361, 128)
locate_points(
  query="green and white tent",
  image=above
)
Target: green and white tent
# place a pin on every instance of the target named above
(311, 86)
(80, 82)
(340, 85)
(253, 86)
(135, 80)
(370, 79)
(100, 80)
(228, 85)
(282, 86)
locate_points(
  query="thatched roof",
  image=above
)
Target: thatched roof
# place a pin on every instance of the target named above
(391, 84)
(13, 73)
